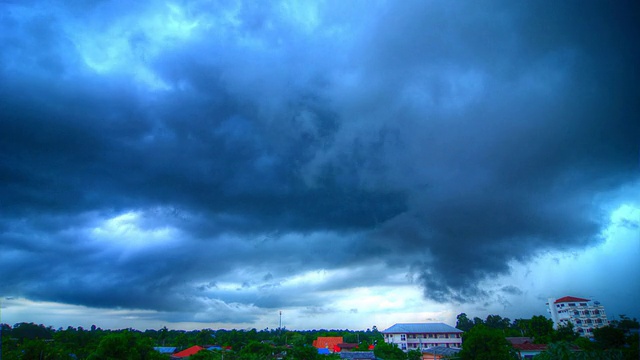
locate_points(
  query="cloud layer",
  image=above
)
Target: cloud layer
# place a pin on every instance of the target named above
(205, 161)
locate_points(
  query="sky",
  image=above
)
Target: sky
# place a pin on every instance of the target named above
(210, 164)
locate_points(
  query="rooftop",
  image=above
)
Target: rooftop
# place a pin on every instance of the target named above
(421, 328)
(569, 299)
(328, 342)
(358, 355)
(441, 350)
(187, 352)
(530, 347)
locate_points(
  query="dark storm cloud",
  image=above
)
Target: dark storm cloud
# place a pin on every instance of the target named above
(445, 140)
(522, 133)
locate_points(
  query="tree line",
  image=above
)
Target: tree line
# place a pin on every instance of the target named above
(37, 341)
(482, 339)
(486, 339)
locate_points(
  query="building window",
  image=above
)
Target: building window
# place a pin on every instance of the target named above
(404, 346)
(403, 337)
(583, 304)
(430, 336)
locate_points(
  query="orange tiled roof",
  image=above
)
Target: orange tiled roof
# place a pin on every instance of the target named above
(328, 342)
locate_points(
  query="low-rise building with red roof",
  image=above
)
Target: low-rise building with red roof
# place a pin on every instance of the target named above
(187, 352)
(528, 351)
(328, 342)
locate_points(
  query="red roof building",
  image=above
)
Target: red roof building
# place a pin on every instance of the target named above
(187, 352)
(328, 342)
(570, 299)
(584, 314)
(529, 351)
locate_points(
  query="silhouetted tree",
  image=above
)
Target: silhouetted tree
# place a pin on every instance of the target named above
(463, 322)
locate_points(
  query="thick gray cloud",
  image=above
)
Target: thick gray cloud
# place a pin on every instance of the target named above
(151, 152)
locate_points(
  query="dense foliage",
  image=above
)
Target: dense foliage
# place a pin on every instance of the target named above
(617, 341)
(482, 339)
(485, 343)
(33, 341)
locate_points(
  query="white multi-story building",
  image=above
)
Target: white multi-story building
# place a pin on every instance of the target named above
(423, 336)
(584, 314)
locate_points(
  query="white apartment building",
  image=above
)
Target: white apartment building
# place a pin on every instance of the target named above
(423, 336)
(584, 314)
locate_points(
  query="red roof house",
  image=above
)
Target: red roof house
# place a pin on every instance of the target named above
(328, 342)
(570, 299)
(187, 352)
(527, 350)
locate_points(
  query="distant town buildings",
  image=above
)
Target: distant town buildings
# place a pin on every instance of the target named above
(423, 336)
(585, 315)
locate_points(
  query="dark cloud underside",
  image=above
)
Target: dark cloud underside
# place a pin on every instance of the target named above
(446, 138)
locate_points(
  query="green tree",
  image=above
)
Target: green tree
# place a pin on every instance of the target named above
(564, 333)
(557, 351)
(204, 337)
(626, 324)
(162, 336)
(483, 343)
(39, 350)
(303, 353)
(389, 351)
(463, 322)
(182, 340)
(414, 355)
(363, 346)
(477, 321)
(497, 322)
(31, 331)
(609, 337)
(205, 355)
(257, 351)
(125, 345)
(632, 350)
(585, 344)
(540, 329)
